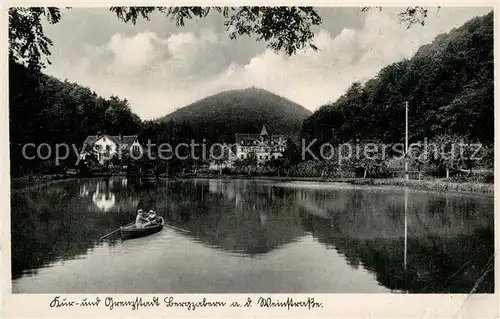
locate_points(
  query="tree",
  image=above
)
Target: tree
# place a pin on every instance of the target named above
(223, 156)
(285, 29)
(27, 42)
(275, 164)
(418, 158)
(248, 162)
(487, 156)
(445, 152)
(369, 157)
(472, 154)
(410, 16)
(329, 167)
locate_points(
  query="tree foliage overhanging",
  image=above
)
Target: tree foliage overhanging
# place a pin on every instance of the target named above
(285, 29)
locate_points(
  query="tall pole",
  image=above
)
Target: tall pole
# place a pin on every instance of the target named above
(406, 225)
(407, 177)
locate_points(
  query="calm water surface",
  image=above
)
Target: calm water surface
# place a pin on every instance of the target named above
(250, 236)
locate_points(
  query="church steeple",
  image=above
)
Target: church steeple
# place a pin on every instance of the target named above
(263, 132)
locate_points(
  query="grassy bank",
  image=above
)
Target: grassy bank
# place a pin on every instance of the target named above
(433, 185)
(427, 184)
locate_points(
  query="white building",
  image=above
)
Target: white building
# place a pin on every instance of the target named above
(106, 146)
(265, 146)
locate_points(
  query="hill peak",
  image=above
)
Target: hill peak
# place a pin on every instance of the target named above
(250, 89)
(220, 116)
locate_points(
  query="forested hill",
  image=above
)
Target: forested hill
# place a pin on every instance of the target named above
(448, 84)
(218, 117)
(43, 109)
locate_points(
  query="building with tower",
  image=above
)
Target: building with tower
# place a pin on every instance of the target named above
(263, 146)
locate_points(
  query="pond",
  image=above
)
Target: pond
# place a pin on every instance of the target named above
(250, 236)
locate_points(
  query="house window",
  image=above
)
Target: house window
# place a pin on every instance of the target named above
(108, 148)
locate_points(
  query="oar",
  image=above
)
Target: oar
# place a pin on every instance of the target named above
(180, 229)
(186, 231)
(114, 231)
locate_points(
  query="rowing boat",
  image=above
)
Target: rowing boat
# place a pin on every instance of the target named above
(132, 231)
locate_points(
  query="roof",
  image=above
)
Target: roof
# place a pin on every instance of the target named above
(264, 131)
(249, 138)
(128, 139)
(90, 140)
(117, 139)
(243, 137)
(246, 138)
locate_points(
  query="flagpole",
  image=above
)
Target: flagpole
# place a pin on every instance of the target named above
(407, 177)
(406, 226)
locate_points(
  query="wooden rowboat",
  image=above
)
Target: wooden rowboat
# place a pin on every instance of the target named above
(131, 231)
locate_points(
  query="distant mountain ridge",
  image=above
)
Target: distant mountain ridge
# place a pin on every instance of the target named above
(220, 116)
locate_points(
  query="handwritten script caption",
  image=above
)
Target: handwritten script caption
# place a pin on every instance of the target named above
(137, 303)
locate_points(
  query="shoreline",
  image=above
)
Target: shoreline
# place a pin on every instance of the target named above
(439, 185)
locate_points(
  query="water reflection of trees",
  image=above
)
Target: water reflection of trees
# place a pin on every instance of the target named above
(375, 214)
(237, 216)
(60, 221)
(450, 239)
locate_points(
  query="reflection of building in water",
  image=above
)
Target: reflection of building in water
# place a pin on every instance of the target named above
(263, 218)
(237, 200)
(213, 186)
(84, 190)
(220, 187)
(109, 194)
(103, 198)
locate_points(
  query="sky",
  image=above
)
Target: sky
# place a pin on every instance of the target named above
(159, 67)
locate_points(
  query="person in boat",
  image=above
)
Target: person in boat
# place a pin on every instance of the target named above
(152, 217)
(142, 219)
